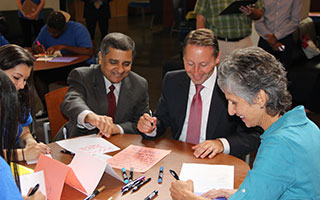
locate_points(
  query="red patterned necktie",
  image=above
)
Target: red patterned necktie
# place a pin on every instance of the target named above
(112, 105)
(194, 123)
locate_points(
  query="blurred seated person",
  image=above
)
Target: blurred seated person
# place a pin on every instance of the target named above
(18, 64)
(9, 115)
(195, 108)
(3, 30)
(60, 34)
(107, 98)
(287, 163)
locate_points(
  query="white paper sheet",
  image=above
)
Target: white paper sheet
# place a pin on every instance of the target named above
(206, 177)
(30, 162)
(28, 181)
(91, 144)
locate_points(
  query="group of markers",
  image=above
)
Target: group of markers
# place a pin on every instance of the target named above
(136, 184)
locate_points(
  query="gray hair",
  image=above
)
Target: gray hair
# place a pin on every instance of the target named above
(117, 41)
(247, 71)
(202, 37)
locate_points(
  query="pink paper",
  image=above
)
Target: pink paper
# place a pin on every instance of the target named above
(83, 173)
(140, 158)
(55, 174)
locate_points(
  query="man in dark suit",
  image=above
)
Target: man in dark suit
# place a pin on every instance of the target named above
(107, 98)
(208, 126)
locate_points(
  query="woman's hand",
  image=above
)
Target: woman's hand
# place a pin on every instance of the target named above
(212, 194)
(33, 151)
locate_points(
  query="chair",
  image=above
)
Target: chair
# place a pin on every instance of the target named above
(56, 118)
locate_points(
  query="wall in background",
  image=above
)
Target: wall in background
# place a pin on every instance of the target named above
(11, 4)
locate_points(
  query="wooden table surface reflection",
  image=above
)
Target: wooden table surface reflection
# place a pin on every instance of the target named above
(181, 153)
(43, 65)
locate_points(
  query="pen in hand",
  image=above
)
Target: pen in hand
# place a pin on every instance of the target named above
(151, 115)
(174, 174)
(34, 189)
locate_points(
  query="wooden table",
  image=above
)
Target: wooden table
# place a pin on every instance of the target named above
(42, 65)
(181, 153)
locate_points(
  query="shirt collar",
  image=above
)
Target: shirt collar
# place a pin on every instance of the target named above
(210, 82)
(108, 84)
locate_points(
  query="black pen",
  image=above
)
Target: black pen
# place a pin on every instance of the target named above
(135, 188)
(34, 189)
(95, 193)
(66, 151)
(152, 195)
(131, 174)
(174, 174)
(160, 175)
(127, 189)
(151, 115)
(35, 138)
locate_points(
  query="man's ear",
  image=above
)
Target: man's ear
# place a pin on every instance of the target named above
(261, 98)
(100, 57)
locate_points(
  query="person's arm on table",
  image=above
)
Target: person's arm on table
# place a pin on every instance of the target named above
(32, 149)
(209, 148)
(147, 124)
(72, 49)
(103, 123)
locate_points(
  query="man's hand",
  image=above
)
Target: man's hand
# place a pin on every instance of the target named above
(38, 48)
(273, 42)
(103, 123)
(52, 49)
(247, 10)
(208, 148)
(180, 190)
(212, 194)
(147, 123)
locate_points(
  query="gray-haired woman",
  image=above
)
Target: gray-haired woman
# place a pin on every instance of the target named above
(287, 163)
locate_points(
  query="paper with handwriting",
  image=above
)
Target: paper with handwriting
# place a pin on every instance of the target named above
(91, 144)
(137, 157)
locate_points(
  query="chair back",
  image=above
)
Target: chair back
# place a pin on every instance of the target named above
(53, 101)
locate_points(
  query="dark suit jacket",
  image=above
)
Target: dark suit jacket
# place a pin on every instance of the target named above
(171, 111)
(88, 92)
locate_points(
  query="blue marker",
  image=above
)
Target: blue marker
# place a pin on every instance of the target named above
(124, 175)
(160, 175)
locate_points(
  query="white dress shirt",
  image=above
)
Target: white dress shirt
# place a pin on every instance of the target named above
(83, 114)
(206, 96)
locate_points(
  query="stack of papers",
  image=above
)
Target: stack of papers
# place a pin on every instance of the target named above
(207, 177)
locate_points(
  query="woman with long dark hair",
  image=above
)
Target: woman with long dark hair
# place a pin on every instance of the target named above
(9, 119)
(18, 64)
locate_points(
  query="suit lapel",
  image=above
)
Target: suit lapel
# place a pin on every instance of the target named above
(182, 98)
(124, 96)
(217, 106)
(100, 90)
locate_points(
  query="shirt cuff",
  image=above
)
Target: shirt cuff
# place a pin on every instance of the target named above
(153, 133)
(226, 145)
(121, 129)
(80, 120)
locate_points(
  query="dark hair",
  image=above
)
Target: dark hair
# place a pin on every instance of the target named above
(117, 41)
(202, 37)
(9, 112)
(12, 55)
(56, 20)
(247, 71)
